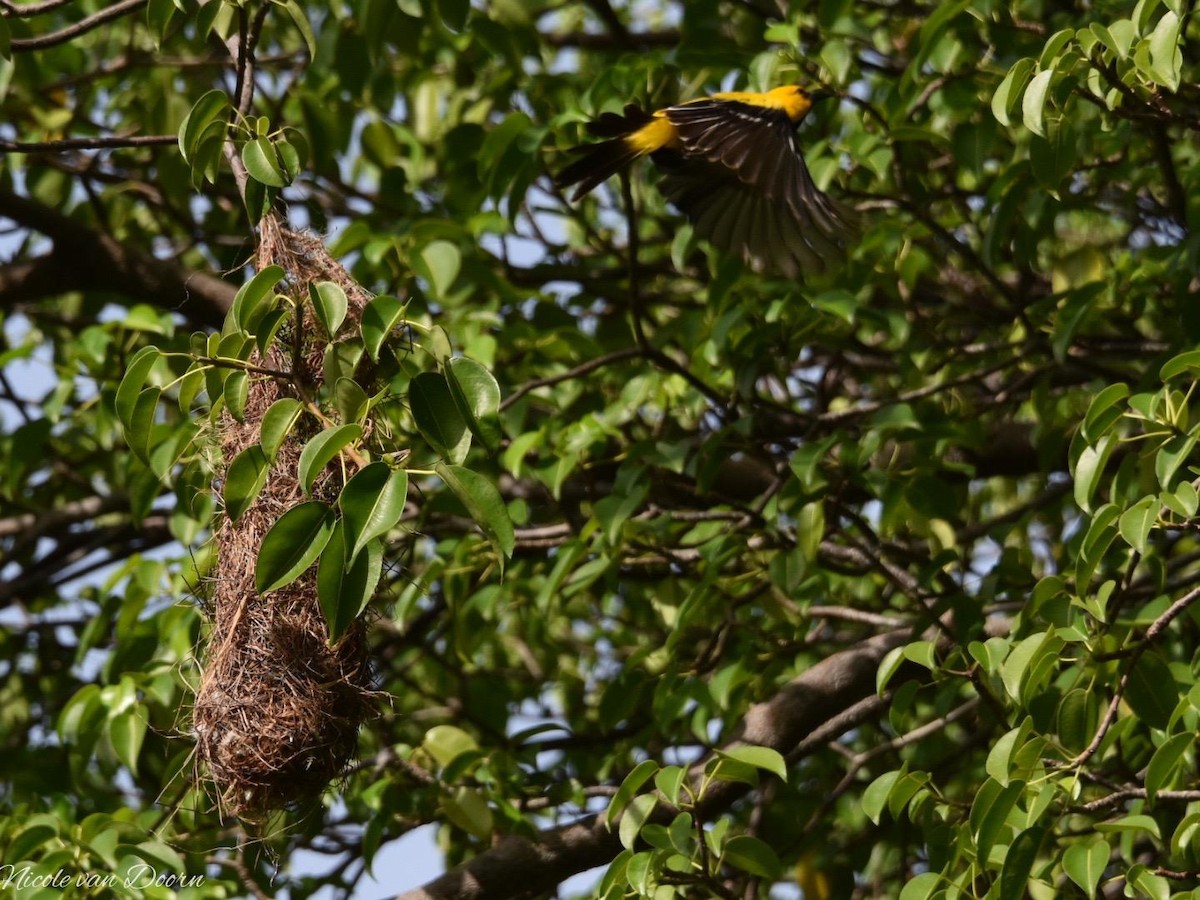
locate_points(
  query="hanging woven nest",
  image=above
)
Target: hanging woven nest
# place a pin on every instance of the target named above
(278, 707)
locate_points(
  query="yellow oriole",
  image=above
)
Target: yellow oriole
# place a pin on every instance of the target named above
(732, 164)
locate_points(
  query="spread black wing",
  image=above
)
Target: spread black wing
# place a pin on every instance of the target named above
(740, 178)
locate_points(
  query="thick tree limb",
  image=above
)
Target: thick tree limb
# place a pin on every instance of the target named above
(516, 867)
(85, 260)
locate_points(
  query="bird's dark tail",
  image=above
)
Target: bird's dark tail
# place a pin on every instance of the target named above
(600, 161)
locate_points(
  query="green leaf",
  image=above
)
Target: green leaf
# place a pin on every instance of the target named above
(249, 304)
(128, 391)
(752, 855)
(330, 304)
(468, 809)
(127, 731)
(636, 815)
(921, 887)
(1085, 864)
(483, 502)
(302, 25)
(321, 450)
(246, 476)
(1102, 413)
(989, 824)
(345, 586)
(1034, 102)
(1018, 863)
(1177, 365)
(1089, 470)
(1152, 692)
(379, 317)
(442, 261)
(875, 796)
(437, 416)
(292, 545)
(640, 774)
(268, 327)
(1137, 522)
(1077, 718)
(477, 396)
(237, 392)
(446, 743)
(28, 840)
(141, 424)
(761, 758)
(1004, 101)
(277, 423)
(372, 502)
(1165, 762)
(670, 780)
(210, 109)
(350, 400)
(261, 161)
(1166, 59)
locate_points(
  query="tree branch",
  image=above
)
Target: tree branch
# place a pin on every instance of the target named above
(83, 259)
(63, 35)
(517, 867)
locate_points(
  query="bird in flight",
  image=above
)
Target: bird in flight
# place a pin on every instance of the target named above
(732, 164)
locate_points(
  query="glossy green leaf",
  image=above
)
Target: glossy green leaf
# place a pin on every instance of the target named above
(237, 393)
(1165, 56)
(1165, 762)
(330, 304)
(1152, 692)
(875, 795)
(1018, 863)
(321, 450)
(1033, 103)
(477, 396)
(246, 476)
(261, 161)
(921, 887)
(139, 430)
(670, 780)
(761, 758)
(742, 851)
(350, 400)
(252, 300)
(445, 743)
(127, 732)
(1137, 522)
(346, 585)
(277, 424)
(1103, 412)
(636, 814)
(300, 20)
(993, 812)
(442, 262)
(209, 112)
(379, 318)
(483, 502)
(1007, 95)
(438, 417)
(630, 785)
(292, 545)
(130, 387)
(372, 502)
(468, 809)
(1085, 863)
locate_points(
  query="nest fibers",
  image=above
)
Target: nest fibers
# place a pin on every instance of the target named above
(278, 709)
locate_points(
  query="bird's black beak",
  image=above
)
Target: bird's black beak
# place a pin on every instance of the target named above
(820, 94)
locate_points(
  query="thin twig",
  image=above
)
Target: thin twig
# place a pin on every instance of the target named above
(62, 36)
